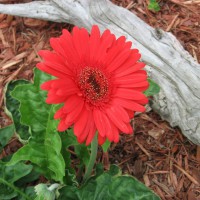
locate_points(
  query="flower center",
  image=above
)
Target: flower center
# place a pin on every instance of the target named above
(94, 85)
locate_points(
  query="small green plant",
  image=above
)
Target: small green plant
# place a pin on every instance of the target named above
(153, 5)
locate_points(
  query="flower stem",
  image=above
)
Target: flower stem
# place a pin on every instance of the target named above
(93, 155)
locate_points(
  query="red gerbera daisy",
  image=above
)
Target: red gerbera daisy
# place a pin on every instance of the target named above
(99, 80)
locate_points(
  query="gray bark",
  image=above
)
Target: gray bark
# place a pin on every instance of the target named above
(168, 63)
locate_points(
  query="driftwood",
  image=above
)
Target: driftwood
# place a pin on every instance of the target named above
(168, 63)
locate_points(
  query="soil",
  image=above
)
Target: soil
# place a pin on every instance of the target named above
(157, 154)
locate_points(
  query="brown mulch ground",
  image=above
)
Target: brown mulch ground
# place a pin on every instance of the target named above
(158, 155)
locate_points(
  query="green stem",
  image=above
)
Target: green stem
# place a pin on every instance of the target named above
(93, 155)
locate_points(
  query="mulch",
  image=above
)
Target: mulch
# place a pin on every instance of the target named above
(157, 154)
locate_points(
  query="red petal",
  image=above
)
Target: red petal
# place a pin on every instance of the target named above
(88, 130)
(71, 103)
(101, 139)
(130, 129)
(74, 114)
(130, 113)
(54, 99)
(83, 136)
(105, 127)
(50, 71)
(128, 45)
(81, 41)
(129, 94)
(57, 46)
(67, 82)
(62, 126)
(68, 46)
(46, 85)
(132, 79)
(140, 86)
(99, 122)
(55, 62)
(142, 101)
(116, 120)
(115, 134)
(120, 112)
(119, 60)
(113, 52)
(81, 123)
(128, 68)
(59, 114)
(103, 124)
(91, 133)
(94, 42)
(121, 41)
(107, 40)
(67, 91)
(131, 105)
(110, 133)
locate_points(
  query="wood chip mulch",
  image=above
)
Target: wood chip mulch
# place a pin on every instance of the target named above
(157, 154)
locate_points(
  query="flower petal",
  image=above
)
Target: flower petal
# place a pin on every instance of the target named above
(94, 43)
(71, 103)
(142, 101)
(59, 114)
(117, 120)
(81, 42)
(129, 68)
(107, 40)
(88, 133)
(99, 122)
(129, 104)
(122, 58)
(132, 79)
(103, 124)
(101, 139)
(49, 70)
(70, 51)
(46, 85)
(81, 123)
(74, 114)
(115, 133)
(91, 133)
(62, 126)
(52, 98)
(55, 62)
(129, 94)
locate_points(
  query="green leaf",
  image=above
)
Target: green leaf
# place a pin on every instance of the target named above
(68, 192)
(30, 192)
(32, 176)
(44, 146)
(109, 185)
(8, 176)
(153, 5)
(106, 145)
(5, 135)
(12, 109)
(153, 88)
(68, 139)
(82, 152)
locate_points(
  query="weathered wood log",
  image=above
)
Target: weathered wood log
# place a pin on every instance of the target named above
(168, 63)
